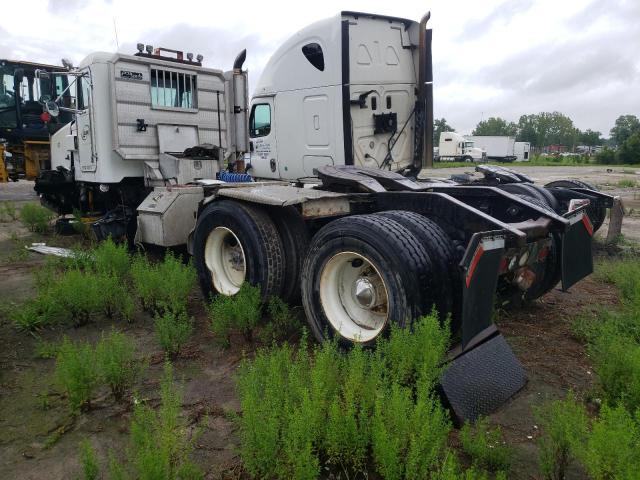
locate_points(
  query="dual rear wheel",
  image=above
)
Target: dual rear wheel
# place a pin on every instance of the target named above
(358, 275)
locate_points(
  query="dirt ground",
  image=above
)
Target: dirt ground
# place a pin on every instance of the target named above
(39, 438)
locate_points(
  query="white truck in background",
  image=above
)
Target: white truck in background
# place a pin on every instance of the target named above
(454, 147)
(498, 148)
(329, 211)
(522, 151)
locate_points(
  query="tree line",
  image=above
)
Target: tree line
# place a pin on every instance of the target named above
(554, 128)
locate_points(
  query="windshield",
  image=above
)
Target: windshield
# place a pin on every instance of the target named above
(24, 100)
(7, 99)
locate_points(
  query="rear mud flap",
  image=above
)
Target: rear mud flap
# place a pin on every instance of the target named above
(480, 266)
(486, 373)
(577, 257)
(482, 379)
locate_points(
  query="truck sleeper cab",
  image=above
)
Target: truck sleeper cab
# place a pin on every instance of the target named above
(352, 94)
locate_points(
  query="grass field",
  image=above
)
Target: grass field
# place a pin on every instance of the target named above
(114, 366)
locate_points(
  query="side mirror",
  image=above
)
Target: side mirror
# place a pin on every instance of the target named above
(41, 73)
(52, 108)
(18, 75)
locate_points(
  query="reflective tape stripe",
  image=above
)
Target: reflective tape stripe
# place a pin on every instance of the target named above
(587, 224)
(474, 263)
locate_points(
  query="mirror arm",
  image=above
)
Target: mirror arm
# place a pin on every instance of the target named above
(72, 110)
(65, 91)
(77, 75)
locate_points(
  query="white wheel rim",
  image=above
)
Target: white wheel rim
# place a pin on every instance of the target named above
(354, 296)
(225, 259)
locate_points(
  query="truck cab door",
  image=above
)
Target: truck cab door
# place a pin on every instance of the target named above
(85, 132)
(264, 158)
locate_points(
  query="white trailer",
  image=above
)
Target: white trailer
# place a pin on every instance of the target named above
(328, 210)
(454, 147)
(522, 151)
(498, 148)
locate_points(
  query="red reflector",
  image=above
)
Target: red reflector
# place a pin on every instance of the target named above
(45, 117)
(587, 224)
(504, 264)
(474, 263)
(543, 253)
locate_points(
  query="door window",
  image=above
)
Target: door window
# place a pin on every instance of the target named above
(260, 120)
(84, 93)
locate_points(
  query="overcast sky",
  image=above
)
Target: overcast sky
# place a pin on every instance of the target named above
(491, 58)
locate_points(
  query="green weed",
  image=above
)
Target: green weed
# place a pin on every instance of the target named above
(89, 462)
(164, 285)
(613, 335)
(8, 212)
(47, 274)
(35, 313)
(348, 427)
(616, 360)
(76, 372)
(408, 438)
(36, 217)
(624, 274)
(160, 446)
(72, 297)
(485, 446)
(564, 426)
(117, 364)
(412, 358)
(112, 259)
(116, 298)
(117, 470)
(159, 443)
(241, 311)
(172, 330)
(611, 450)
(282, 323)
(44, 349)
(302, 408)
(79, 226)
(78, 295)
(627, 183)
(450, 469)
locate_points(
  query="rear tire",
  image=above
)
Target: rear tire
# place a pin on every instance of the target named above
(440, 250)
(236, 242)
(533, 191)
(295, 242)
(362, 274)
(596, 214)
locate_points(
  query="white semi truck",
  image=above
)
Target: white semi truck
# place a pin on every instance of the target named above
(454, 147)
(328, 210)
(498, 148)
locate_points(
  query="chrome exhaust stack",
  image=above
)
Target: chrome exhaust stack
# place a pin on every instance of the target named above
(423, 147)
